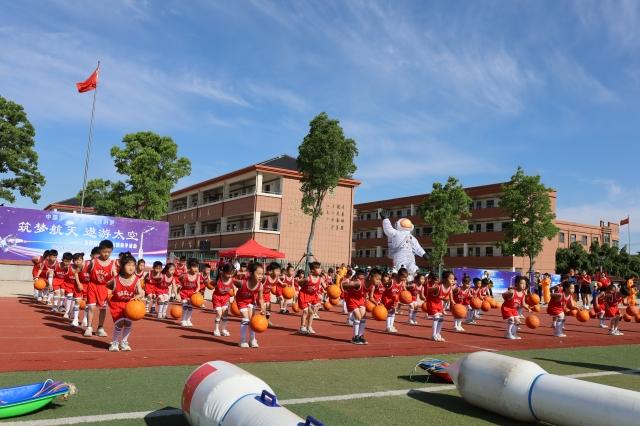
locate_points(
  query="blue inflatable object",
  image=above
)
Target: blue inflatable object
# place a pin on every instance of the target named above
(21, 400)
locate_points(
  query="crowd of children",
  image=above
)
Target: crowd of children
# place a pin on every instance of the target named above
(82, 288)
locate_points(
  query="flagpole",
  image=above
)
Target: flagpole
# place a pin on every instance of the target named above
(88, 154)
(628, 234)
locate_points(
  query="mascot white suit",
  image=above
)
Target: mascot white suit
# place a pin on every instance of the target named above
(403, 247)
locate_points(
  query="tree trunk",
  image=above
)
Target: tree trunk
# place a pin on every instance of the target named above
(531, 265)
(310, 243)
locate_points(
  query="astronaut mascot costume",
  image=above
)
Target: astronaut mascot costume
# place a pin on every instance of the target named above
(403, 247)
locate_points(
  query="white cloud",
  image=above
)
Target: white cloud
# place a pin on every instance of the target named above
(620, 19)
(574, 77)
(214, 90)
(277, 95)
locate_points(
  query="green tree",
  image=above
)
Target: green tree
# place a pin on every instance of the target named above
(446, 209)
(575, 257)
(18, 160)
(324, 157)
(526, 199)
(152, 167)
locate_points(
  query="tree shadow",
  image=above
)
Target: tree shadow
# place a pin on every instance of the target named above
(589, 365)
(211, 339)
(167, 416)
(100, 344)
(459, 406)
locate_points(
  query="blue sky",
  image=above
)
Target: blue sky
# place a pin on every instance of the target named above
(427, 89)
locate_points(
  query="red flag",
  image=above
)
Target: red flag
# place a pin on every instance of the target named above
(624, 221)
(89, 84)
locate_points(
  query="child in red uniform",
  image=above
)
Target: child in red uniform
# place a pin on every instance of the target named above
(163, 287)
(101, 271)
(598, 305)
(287, 281)
(55, 285)
(391, 296)
(189, 284)
(271, 280)
(513, 302)
(59, 274)
(356, 292)
(376, 292)
(309, 298)
(559, 301)
(205, 279)
(180, 270)
(248, 290)
(78, 281)
(221, 297)
(612, 299)
(435, 296)
(416, 287)
(151, 281)
(38, 266)
(125, 286)
(462, 295)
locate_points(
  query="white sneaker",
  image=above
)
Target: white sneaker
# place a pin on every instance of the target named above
(84, 322)
(216, 333)
(517, 337)
(441, 339)
(189, 323)
(560, 335)
(243, 345)
(75, 323)
(101, 332)
(388, 330)
(88, 332)
(393, 329)
(311, 330)
(226, 333)
(124, 346)
(619, 333)
(254, 343)
(509, 336)
(460, 328)
(316, 316)
(65, 316)
(183, 323)
(303, 330)
(114, 347)
(602, 325)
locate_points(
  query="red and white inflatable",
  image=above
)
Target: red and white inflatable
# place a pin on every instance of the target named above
(220, 393)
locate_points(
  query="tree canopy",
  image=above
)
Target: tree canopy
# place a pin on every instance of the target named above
(18, 159)
(607, 258)
(152, 167)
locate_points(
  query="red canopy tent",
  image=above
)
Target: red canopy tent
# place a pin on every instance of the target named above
(252, 249)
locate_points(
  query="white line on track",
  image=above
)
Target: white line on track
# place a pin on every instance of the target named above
(175, 412)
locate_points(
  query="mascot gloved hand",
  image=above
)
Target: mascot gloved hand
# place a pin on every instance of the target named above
(403, 247)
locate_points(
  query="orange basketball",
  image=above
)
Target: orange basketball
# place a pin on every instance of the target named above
(380, 313)
(82, 304)
(197, 299)
(459, 311)
(632, 311)
(333, 291)
(235, 311)
(40, 284)
(638, 317)
(424, 307)
(175, 311)
(289, 292)
(335, 301)
(327, 306)
(592, 313)
(142, 283)
(295, 307)
(405, 297)
(369, 305)
(583, 315)
(211, 285)
(533, 299)
(485, 306)
(490, 300)
(135, 310)
(232, 291)
(627, 317)
(494, 303)
(476, 303)
(273, 290)
(532, 321)
(259, 323)
(535, 308)
(573, 312)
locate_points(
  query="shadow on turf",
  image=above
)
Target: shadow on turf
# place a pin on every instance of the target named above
(160, 418)
(457, 405)
(601, 367)
(100, 344)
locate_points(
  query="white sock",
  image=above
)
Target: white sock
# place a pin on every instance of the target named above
(252, 334)
(434, 327)
(224, 323)
(116, 334)
(351, 316)
(393, 318)
(56, 299)
(217, 324)
(388, 321)
(244, 323)
(559, 326)
(126, 332)
(185, 308)
(439, 325)
(76, 311)
(356, 327)
(514, 329)
(189, 312)
(363, 325)
(68, 303)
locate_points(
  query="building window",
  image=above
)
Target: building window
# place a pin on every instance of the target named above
(561, 237)
(488, 251)
(585, 240)
(490, 204)
(479, 204)
(428, 230)
(367, 235)
(366, 253)
(368, 216)
(489, 227)
(616, 243)
(607, 239)
(572, 238)
(460, 251)
(478, 227)
(471, 228)
(478, 251)
(408, 212)
(471, 205)
(399, 213)
(417, 230)
(506, 225)
(595, 240)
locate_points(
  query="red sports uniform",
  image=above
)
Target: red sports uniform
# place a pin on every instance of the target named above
(121, 295)
(189, 285)
(611, 302)
(356, 298)
(180, 271)
(378, 291)
(245, 296)
(598, 303)
(100, 276)
(162, 286)
(70, 285)
(267, 284)
(221, 293)
(481, 292)
(391, 295)
(463, 296)
(510, 307)
(289, 282)
(45, 267)
(59, 274)
(309, 293)
(435, 303)
(556, 306)
(151, 283)
(204, 280)
(35, 271)
(415, 290)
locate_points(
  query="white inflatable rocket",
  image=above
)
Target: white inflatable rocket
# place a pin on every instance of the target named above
(523, 391)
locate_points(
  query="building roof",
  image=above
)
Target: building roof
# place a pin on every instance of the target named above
(69, 203)
(284, 165)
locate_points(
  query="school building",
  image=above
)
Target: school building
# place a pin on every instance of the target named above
(260, 202)
(477, 248)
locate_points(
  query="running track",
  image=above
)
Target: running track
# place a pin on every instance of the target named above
(32, 338)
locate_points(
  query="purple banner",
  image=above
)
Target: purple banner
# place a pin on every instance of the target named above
(501, 279)
(25, 233)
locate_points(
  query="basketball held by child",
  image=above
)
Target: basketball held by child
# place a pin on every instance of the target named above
(175, 311)
(40, 284)
(485, 306)
(197, 299)
(380, 313)
(289, 292)
(459, 311)
(476, 303)
(235, 311)
(369, 305)
(533, 299)
(259, 323)
(583, 315)
(135, 310)
(405, 297)
(532, 321)
(333, 291)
